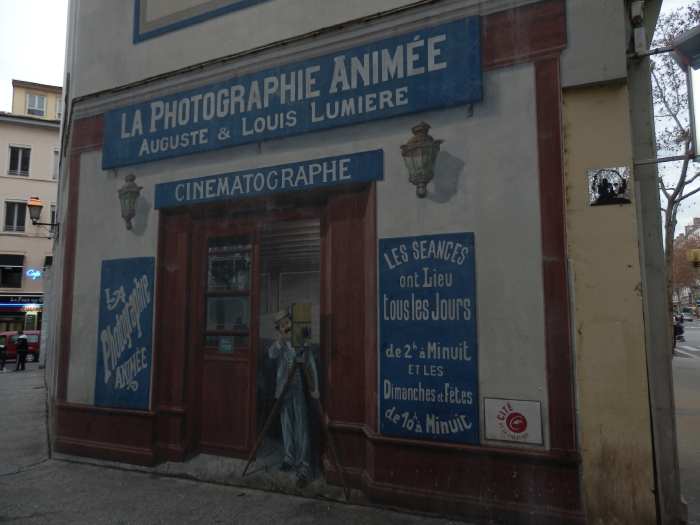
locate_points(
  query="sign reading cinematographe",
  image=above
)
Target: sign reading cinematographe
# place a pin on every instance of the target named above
(431, 68)
(427, 344)
(124, 338)
(353, 168)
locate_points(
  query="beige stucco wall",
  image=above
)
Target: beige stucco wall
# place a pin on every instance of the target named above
(19, 101)
(611, 376)
(34, 243)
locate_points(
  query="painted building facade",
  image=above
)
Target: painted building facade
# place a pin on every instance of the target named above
(290, 292)
(29, 156)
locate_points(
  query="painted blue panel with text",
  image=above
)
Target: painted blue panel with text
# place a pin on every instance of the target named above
(125, 333)
(428, 378)
(435, 67)
(353, 168)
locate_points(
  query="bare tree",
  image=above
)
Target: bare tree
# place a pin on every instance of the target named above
(677, 181)
(685, 276)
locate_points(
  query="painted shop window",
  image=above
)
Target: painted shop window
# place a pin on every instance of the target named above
(19, 161)
(228, 293)
(36, 105)
(289, 355)
(15, 216)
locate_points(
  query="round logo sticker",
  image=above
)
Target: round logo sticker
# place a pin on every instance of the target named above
(516, 422)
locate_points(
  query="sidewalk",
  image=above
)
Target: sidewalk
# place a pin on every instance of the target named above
(686, 375)
(36, 490)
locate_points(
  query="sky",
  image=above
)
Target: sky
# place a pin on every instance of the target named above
(32, 43)
(691, 207)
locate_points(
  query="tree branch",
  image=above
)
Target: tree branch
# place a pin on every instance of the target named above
(665, 101)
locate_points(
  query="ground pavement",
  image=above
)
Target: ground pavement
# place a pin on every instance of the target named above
(38, 490)
(686, 376)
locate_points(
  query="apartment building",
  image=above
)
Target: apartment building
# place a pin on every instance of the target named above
(29, 161)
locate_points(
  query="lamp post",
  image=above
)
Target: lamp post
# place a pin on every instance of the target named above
(419, 155)
(35, 206)
(127, 198)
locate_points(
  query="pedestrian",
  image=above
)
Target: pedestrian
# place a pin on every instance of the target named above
(294, 412)
(22, 349)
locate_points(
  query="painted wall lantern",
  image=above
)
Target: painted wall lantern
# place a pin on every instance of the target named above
(127, 198)
(419, 155)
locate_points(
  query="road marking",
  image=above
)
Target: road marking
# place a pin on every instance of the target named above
(688, 348)
(683, 354)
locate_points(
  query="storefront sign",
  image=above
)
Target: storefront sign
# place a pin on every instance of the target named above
(22, 299)
(33, 273)
(432, 68)
(319, 173)
(124, 339)
(427, 344)
(513, 420)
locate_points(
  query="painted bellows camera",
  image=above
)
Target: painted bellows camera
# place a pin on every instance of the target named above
(301, 323)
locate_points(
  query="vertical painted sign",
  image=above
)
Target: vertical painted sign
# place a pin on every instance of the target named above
(125, 333)
(427, 343)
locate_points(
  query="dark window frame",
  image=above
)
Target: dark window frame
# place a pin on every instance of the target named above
(19, 222)
(15, 167)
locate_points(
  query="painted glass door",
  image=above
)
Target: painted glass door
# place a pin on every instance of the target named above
(227, 319)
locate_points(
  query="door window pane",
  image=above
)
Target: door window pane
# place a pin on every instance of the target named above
(229, 265)
(227, 313)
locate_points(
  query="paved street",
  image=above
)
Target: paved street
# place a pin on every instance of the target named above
(36, 490)
(686, 374)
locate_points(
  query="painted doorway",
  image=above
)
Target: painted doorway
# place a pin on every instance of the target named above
(225, 268)
(288, 420)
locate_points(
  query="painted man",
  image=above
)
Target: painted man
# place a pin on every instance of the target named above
(294, 411)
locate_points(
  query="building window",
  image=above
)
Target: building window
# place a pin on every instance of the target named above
(11, 267)
(52, 228)
(19, 161)
(56, 164)
(59, 107)
(36, 105)
(15, 215)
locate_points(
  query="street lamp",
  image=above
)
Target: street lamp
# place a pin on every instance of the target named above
(35, 206)
(419, 155)
(127, 198)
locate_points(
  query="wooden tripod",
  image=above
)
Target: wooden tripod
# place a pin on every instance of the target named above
(316, 402)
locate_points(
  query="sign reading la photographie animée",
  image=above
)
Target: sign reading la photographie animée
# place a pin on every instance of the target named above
(431, 68)
(427, 338)
(125, 333)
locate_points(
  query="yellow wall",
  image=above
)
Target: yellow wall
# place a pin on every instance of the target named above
(19, 101)
(611, 377)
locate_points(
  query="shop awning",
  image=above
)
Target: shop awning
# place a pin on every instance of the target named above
(11, 260)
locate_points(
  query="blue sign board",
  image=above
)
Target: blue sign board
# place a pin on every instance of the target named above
(125, 334)
(319, 173)
(431, 68)
(428, 374)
